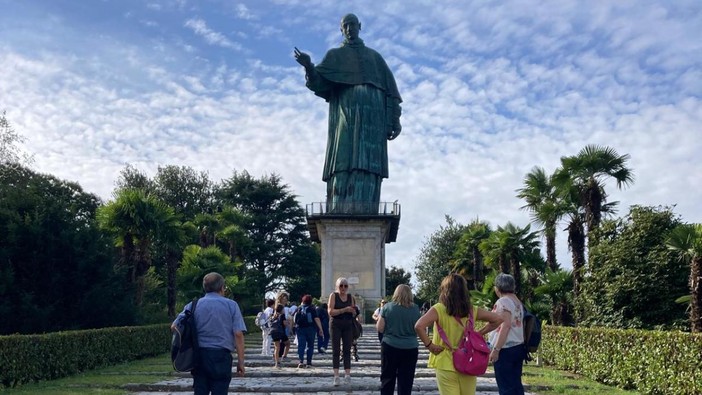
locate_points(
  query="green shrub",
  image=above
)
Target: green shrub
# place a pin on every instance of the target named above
(652, 362)
(25, 358)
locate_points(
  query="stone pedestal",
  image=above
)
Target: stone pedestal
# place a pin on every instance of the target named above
(353, 246)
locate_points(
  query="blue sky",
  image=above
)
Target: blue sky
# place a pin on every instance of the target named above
(490, 90)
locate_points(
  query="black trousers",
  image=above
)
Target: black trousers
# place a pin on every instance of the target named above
(397, 364)
(341, 330)
(214, 372)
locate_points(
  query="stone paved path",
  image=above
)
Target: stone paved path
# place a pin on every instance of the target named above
(262, 379)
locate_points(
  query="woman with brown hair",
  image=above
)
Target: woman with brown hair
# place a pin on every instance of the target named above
(454, 305)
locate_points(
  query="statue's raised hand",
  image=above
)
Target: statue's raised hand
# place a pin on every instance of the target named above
(303, 58)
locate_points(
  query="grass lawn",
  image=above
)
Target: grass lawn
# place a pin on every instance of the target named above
(108, 381)
(548, 381)
(103, 381)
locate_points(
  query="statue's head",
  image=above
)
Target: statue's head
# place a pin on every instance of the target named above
(350, 26)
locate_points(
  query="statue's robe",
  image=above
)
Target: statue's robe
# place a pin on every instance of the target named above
(364, 106)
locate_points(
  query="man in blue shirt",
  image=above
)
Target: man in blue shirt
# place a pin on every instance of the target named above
(220, 331)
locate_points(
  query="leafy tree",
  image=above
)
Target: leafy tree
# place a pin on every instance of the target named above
(686, 242)
(197, 262)
(395, 276)
(187, 191)
(277, 231)
(56, 267)
(303, 274)
(132, 178)
(136, 219)
(468, 260)
(637, 278)
(10, 152)
(587, 171)
(546, 207)
(435, 258)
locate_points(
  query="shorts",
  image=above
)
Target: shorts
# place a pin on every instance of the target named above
(279, 337)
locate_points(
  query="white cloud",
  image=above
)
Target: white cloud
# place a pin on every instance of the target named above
(489, 92)
(199, 26)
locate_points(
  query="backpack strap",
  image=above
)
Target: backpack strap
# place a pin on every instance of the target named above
(466, 330)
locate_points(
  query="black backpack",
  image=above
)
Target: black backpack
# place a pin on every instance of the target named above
(303, 317)
(184, 345)
(532, 334)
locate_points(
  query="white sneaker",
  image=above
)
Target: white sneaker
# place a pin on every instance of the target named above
(347, 380)
(337, 381)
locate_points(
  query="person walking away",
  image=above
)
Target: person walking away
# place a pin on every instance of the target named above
(376, 317)
(290, 312)
(266, 328)
(454, 305)
(279, 334)
(282, 299)
(356, 336)
(341, 311)
(399, 347)
(323, 341)
(220, 332)
(307, 324)
(508, 353)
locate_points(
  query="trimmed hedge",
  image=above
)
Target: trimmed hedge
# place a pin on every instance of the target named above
(652, 362)
(25, 358)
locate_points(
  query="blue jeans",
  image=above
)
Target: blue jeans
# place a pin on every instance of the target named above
(214, 372)
(508, 370)
(324, 342)
(305, 339)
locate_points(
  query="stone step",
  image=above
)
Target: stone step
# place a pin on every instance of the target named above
(263, 379)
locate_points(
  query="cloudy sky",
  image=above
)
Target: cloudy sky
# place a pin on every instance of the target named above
(490, 89)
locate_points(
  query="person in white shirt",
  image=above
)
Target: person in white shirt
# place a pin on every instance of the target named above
(507, 339)
(266, 328)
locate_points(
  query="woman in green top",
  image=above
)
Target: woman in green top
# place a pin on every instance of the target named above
(399, 345)
(454, 301)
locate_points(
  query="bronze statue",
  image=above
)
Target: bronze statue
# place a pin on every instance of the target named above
(364, 112)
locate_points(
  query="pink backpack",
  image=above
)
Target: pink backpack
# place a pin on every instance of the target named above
(472, 354)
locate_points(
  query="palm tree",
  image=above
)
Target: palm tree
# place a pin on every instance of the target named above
(546, 207)
(232, 223)
(510, 244)
(136, 219)
(586, 172)
(686, 241)
(558, 287)
(468, 258)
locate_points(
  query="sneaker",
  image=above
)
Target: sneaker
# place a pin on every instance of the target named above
(347, 380)
(337, 381)
(323, 350)
(301, 365)
(277, 366)
(355, 357)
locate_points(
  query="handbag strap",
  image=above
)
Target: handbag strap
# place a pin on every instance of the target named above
(466, 330)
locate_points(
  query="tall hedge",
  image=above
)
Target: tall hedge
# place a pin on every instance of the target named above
(26, 358)
(652, 362)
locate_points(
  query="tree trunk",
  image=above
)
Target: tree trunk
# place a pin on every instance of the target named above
(551, 252)
(172, 265)
(576, 242)
(477, 268)
(504, 264)
(517, 274)
(696, 291)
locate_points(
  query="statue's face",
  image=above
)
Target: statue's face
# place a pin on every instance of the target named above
(350, 27)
